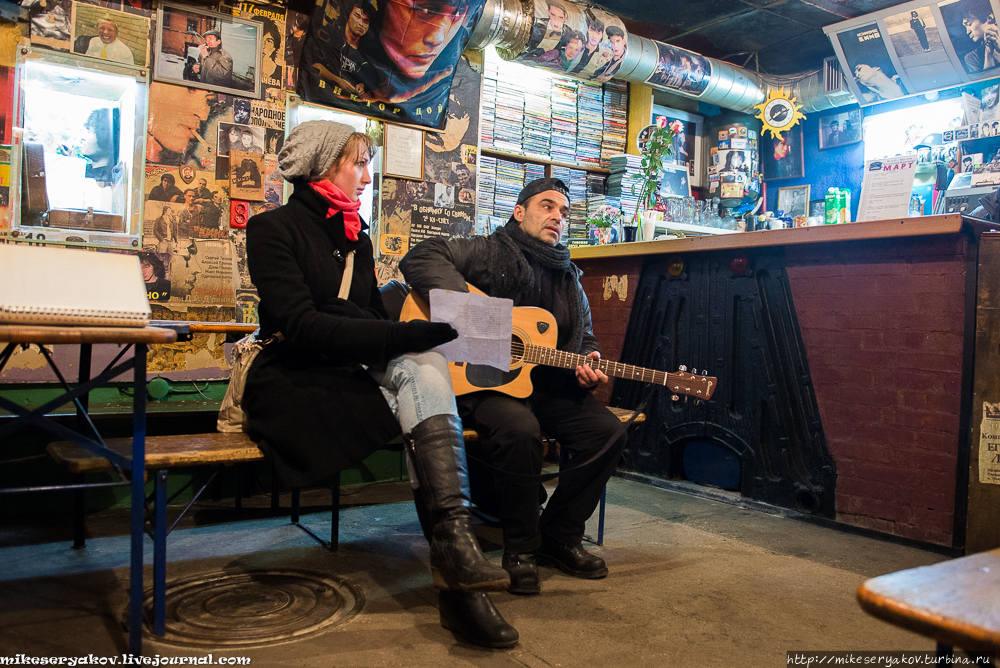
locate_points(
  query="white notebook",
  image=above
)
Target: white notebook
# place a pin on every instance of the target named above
(47, 285)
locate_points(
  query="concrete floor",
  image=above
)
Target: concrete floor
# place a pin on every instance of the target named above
(694, 582)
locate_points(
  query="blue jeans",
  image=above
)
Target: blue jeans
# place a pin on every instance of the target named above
(417, 386)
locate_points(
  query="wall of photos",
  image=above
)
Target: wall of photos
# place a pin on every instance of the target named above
(211, 143)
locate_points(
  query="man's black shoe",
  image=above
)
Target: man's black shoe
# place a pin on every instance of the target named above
(571, 559)
(523, 572)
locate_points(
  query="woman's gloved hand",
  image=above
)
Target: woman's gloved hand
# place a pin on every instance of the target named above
(417, 336)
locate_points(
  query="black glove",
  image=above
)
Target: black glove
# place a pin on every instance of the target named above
(417, 336)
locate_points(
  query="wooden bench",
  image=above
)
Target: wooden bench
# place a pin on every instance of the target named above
(215, 449)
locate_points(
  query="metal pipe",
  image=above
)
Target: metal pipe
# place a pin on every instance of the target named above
(506, 24)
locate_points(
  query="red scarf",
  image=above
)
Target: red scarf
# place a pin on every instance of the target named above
(340, 202)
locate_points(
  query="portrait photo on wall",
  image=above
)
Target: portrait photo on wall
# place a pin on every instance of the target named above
(840, 129)
(393, 60)
(920, 49)
(207, 50)
(110, 35)
(781, 158)
(972, 29)
(674, 181)
(237, 137)
(681, 70)
(870, 65)
(246, 176)
(794, 200)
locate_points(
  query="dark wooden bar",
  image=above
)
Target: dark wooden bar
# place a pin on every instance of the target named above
(845, 359)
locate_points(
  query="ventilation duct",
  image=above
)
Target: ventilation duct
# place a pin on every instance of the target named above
(507, 24)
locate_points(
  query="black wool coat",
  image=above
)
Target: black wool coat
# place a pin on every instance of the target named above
(311, 405)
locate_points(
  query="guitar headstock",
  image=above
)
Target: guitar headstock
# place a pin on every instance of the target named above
(691, 384)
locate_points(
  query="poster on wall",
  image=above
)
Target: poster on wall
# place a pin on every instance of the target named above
(868, 60)
(680, 70)
(915, 38)
(584, 41)
(183, 125)
(972, 29)
(444, 202)
(390, 60)
(782, 158)
(207, 50)
(105, 34)
(272, 45)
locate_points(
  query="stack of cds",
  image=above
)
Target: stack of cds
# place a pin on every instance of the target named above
(590, 128)
(487, 184)
(509, 123)
(533, 171)
(510, 180)
(537, 117)
(597, 189)
(615, 114)
(564, 93)
(576, 179)
(487, 109)
(626, 176)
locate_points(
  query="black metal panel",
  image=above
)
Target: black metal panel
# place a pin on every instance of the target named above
(742, 329)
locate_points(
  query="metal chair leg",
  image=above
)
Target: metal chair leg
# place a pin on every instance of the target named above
(295, 505)
(335, 518)
(160, 556)
(600, 516)
(79, 517)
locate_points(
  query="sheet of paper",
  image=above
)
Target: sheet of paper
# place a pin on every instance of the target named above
(886, 189)
(484, 326)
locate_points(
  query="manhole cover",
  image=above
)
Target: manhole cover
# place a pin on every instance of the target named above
(253, 608)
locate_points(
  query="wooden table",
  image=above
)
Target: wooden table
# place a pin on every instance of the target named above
(139, 338)
(956, 602)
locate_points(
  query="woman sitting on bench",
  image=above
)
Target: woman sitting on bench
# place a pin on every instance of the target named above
(344, 380)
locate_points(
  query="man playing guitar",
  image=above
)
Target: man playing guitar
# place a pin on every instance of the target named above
(525, 262)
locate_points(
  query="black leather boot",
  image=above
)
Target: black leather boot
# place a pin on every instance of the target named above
(437, 453)
(474, 617)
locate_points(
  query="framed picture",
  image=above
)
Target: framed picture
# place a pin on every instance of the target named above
(246, 176)
(782, 158)
(203, 49)
(817, 207)
(840, 129)
(404, 152)
(110, 35)
(794, 200)
(688, 146)
(675, 181)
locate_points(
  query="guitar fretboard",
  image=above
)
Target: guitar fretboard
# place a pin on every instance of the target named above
(678, 382)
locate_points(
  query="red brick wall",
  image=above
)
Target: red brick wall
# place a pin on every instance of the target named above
(882, 323)
(610, 315)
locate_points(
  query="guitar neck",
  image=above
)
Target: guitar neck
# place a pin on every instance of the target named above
(551, 357)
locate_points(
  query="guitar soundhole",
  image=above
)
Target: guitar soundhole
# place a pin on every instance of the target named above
(485, 377)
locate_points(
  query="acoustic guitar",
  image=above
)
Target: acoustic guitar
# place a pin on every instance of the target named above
(533, 343)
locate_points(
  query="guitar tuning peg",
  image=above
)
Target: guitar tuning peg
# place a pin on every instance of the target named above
(682, 368)
(694, 372)
(675, 398)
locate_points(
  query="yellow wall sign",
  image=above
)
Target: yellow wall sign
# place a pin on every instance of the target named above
(779, 112)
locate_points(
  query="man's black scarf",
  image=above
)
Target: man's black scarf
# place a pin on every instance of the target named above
(511, 274)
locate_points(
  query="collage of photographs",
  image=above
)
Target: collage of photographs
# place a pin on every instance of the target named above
(935, 44)
(589, 45)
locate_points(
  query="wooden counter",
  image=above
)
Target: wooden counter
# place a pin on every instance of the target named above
(845, 355)
(881, 229)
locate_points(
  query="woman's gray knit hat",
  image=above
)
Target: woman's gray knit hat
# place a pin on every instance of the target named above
(311, 149)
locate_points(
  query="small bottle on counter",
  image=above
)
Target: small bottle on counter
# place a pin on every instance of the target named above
(916, 206)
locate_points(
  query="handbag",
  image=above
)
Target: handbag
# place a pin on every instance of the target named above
(232, 418)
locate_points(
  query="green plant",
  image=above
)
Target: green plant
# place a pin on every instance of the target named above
(659, 145)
